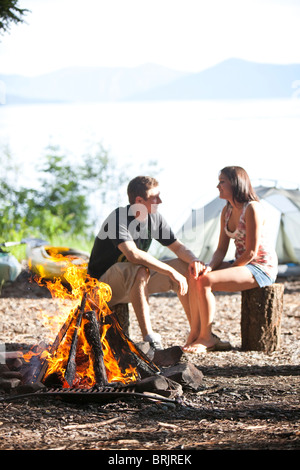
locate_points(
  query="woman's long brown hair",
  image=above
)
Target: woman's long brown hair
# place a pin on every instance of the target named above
(242, 190)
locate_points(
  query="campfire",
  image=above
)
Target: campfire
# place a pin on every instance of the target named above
(91, 356)
(91, 348)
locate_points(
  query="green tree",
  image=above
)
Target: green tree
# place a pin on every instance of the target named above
(69, 196)
(61, 205)
(12, 198)
(10, 13)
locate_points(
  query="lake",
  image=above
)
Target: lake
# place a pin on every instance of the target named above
(190, 140)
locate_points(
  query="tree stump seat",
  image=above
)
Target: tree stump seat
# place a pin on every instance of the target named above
(261, 312)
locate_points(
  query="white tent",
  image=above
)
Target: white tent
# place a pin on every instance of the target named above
(201, 230)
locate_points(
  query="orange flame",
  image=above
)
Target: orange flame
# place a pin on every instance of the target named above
(97, 294)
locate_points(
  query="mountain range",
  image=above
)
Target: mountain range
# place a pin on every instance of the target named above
(232, 79)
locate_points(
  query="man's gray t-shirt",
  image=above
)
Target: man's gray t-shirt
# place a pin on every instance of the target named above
(120, 226)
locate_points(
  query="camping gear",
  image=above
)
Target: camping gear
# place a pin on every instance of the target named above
(10, 267)
(43, 259)
(51, 262)
(200, 232)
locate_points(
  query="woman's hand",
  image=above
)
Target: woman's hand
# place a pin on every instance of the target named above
(198, 268)
(207, 269)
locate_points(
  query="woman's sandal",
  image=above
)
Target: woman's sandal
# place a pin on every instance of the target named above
(219, 345)
(200, 348)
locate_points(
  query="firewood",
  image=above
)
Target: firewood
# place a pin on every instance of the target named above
(122, 313)
(121, 343)
(118, 344)
(67, 324)
(92, 334)
(185, 374)
(151, 384)
(158, 383)
(60, 336)
(167, 357)
(11, 375)
(8, 384)
(71, 365)
(33, 371)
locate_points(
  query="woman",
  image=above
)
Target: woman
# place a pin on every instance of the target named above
(255, 265)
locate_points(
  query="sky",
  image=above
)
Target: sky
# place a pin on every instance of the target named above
(187, 35)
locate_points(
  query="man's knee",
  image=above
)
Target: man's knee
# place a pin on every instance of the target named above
(142, 276)
(180, 266)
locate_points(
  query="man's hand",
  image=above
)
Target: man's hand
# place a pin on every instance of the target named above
(197, 268)
(181, 281)
(136, 256)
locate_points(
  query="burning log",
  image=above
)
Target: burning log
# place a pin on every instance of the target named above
(92, 334)
(122, 313)
(71, 365)
(126, 349)
(67, 324)
(114, 357)
(36, 363)
(40, 374)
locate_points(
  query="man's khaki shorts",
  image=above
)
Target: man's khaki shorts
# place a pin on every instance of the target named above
(121, 276)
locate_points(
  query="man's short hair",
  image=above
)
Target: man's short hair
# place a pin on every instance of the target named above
(139, 187)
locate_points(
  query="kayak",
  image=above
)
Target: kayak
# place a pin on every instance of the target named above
(10, 267)
(50, 262)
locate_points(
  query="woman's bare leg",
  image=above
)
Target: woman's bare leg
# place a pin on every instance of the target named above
(194, 309)
(194, 295)
(233, 279)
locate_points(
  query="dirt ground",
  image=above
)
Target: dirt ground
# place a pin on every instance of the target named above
(247, 400)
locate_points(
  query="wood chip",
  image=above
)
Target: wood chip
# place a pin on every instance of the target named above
(168, 425)
(90, 425)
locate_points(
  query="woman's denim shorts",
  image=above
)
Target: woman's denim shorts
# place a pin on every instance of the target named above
(260, 276)
(262, 279)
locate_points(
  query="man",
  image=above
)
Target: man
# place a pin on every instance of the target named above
(120, 255)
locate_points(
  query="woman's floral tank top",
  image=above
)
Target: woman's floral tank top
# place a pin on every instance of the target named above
(266, 258)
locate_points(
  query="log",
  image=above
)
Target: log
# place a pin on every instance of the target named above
(126, 350)
(261, 312)
(92, 334)
(71, 365)
(160, 384)
(152, 384)
(9, 379)
(67, 324)
(35, 366)
(186, 374)
(9, 383)
(122, 313)
(167, 357)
